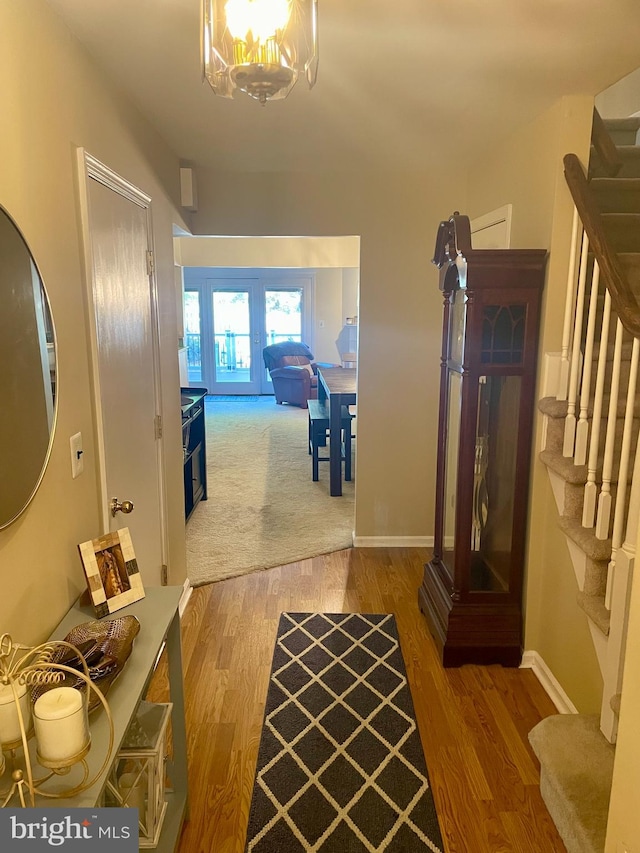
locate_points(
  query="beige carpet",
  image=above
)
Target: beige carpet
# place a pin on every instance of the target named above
(263, 508)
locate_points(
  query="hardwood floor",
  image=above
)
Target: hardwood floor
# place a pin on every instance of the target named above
(473, 720)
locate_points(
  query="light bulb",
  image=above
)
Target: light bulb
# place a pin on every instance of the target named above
(261, 18)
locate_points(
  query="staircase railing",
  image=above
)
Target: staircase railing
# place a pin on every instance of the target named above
(598, 381)
(624, 300)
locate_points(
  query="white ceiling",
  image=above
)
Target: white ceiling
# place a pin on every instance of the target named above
(401, 84)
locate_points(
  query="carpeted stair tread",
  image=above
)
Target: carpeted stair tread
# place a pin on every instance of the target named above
(617, 195)
(552, 407)
(563, 465)
(630, 262)
(625, 352)
(557, 409)
(615, 703)
(575, 782)
(554, 459)
(585, 538)
(595, 578)
(623, 131)
(622, 230)
(629, 156)
(593, 606)
(626, 123)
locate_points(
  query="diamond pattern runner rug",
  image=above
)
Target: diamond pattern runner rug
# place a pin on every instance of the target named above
(340, 765)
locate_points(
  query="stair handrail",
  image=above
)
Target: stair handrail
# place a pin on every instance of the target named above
(605, 146)
(611, 271)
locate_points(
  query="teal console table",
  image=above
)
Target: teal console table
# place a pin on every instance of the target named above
(159, 621)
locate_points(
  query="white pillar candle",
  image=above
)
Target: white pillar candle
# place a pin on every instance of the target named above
(9, 721)
(132, 789)
(60, 721)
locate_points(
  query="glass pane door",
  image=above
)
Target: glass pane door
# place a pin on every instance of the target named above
(230, 317)
(234, 334)
(283, 315)
(282, 321)
(192, 336)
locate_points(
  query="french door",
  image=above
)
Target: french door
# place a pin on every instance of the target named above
(230, 318)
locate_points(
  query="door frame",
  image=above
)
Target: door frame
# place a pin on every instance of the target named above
(90, 168)
(205, 279)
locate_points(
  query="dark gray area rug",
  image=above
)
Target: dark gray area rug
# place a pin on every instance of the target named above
(340, 765)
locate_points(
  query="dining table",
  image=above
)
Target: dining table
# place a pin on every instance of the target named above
(337, 386)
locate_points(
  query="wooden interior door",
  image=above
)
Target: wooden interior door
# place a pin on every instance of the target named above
(126, 380)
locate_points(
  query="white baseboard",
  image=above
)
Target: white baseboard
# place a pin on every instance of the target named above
(551, 685)
(392, 541)
(187, 589)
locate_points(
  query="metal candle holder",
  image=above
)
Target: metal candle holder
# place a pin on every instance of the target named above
(30, 667)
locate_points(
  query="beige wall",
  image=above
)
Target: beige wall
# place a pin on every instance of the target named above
(53, 100)
(526, 170)
(319, 252)
(327, 314)
(396, 216)
(350, 292)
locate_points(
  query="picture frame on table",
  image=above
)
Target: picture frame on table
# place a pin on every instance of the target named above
(111, 569)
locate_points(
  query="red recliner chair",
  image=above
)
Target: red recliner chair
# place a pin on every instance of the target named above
(293, 372)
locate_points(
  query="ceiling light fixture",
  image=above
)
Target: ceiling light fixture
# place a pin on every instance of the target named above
(260, 47)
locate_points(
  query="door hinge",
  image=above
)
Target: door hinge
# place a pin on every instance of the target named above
(164, 575)
(150, 262)
(158, 425)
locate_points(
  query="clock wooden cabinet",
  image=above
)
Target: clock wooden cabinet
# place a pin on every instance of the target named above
(471, 594)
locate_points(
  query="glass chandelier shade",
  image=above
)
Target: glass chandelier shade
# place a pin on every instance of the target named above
(261, 47)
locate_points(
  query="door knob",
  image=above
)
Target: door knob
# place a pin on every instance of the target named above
(126, 506)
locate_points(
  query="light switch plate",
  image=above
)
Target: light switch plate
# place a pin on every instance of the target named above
(77, 455)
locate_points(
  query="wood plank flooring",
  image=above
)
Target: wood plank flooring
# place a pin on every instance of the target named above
(473, 721)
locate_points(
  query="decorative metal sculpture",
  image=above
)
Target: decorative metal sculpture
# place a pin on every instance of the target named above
(61, 732)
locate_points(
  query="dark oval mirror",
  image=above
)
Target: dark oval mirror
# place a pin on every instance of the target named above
(27, 374)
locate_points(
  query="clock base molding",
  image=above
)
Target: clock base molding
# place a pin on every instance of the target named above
(469, 632)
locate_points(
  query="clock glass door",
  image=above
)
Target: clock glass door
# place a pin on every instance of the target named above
(494, 493)
(451, 472)
(451, 437)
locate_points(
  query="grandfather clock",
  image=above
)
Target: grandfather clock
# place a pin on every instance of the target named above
(471, 594)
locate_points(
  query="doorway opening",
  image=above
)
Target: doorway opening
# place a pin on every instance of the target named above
(239, 295)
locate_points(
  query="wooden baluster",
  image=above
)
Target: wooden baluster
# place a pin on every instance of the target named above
(591, 488)
(568, 310)
(620, 582)
(582, 430)
(604, 501)
(625, 453)
(570, 420)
